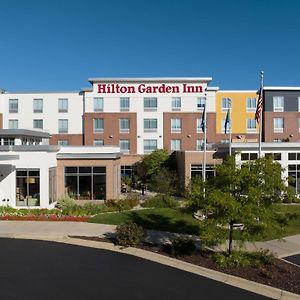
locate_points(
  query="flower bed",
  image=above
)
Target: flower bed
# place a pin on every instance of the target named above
(44, 218)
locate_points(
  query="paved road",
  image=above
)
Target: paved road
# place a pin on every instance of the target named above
(294, 259)
(47, 270)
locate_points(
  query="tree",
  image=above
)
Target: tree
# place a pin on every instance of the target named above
(239, 194)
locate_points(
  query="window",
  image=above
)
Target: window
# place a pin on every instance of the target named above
(150, 145)
(200, 125)
(98, 143)
(248, 156)
(228, 126)
(275, 156)
(124, 104)
(278, 124)
(176, 125)
(298, 103)
(150, 125)
(27, 187)
(175, 145)
(63, 143)
(200, 103)
(37, 105)
(176, 103)
(98, 125)
(8, 141)
(124, 125)
(62, 105)
(13, 124)
(197, 171)
(294, 177)
(98, 104)
(38, 123)
(86, 183)
(294, 156)
(13, 105)
(124, 145)
(278, 103)
(251, 125)
(251, 104)
(150, 104)
(63, 126)
(226, 103)
(200, 145)
(299, 124)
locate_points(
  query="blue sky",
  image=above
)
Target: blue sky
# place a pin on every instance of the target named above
(58, 45)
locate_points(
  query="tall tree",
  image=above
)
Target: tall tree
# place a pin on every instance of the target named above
(239, 194)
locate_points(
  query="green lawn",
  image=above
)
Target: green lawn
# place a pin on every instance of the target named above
(165, 219)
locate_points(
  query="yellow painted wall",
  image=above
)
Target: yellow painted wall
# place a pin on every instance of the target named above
(239, 113)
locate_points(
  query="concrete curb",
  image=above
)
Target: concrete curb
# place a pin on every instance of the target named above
(238, 282)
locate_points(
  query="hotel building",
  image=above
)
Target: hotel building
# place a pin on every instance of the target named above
(81, 143)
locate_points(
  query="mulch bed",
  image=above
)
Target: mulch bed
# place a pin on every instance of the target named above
(279, 274)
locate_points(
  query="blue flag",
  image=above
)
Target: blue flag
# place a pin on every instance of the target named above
(227, 121)
(203, 119)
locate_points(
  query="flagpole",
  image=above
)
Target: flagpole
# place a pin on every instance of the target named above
(204, 144)
(230, 107)
(261, 113)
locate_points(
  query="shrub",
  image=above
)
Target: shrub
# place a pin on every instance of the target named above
(183, 246)
(243, 259)
(65, 203)
(120, 205)
(129, 234)
(161, 201)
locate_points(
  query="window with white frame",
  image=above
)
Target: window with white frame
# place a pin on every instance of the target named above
(226, 103)
(124, 145)
(38, 123)
(63, 142)
(298, 103)
(176, 125)
(199, 125)
(278, 125)
(200, 145)
(124, 104)
(176, 103)
(228, 126)
(98, 142)
(63, 105)
(175, 145)
(37, 105)
(13, 105)
(98, 125)
(98, 104)
(150, 145)
(150, 103)
(278, 103)
(124, 125)
(251, 104)
(200, 103)
(63, 125)
(251, 125)
(13, 124)
(150, 125)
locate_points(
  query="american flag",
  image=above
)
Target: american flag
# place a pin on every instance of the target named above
(259, 105)
(203, 121)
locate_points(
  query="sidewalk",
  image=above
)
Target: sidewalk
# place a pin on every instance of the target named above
(33, 229)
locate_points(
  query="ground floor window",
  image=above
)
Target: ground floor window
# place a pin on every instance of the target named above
(294, 177)
(27, 187)
(85, 183)
(52, 185)
(196, 170)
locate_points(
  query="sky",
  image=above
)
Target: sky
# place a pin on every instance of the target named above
(57, 45)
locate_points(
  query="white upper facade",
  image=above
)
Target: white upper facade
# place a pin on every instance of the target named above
(28, 109)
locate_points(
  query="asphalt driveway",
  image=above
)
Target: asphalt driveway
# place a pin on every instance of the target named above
(48, 270)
